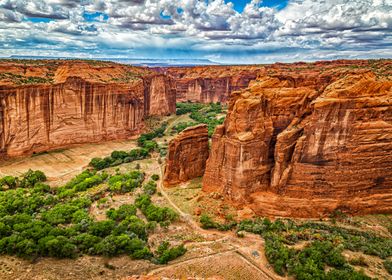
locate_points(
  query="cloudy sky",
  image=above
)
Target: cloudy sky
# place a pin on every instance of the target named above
(227, 31)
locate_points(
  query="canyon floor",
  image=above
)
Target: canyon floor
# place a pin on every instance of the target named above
(210, 253)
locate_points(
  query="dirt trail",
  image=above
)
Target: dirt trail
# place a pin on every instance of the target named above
(207, 233)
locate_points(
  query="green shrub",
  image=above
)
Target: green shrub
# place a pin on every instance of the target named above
(207, 222)
(388, 266)
(124, 183)
(122, 212)
(150, 188)
(164, 253)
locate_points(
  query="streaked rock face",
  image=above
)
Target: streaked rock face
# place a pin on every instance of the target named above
(207, 84)
(305, 144)
(187, 155)
(83, 103)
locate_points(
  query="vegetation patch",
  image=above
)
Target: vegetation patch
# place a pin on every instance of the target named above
(321, 258)
(39, 221)
(200, 113)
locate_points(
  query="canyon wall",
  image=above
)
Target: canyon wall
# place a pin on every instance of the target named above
(307, 142)
(207, 84)
(160, 96)
(187, 155)
(98, 103)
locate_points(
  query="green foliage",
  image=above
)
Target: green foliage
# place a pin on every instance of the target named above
(8, 181)
(150, 188)
(37, 221)
(155, 177)
(164, 253)
(82, 182)
(153, 212)
(23, 80)
(122, 212)
(208, 223)
(387, 265)
(124, 183)
(150, 145)
(182, 125)
(145, 140)
(324, 249)
(120, 157)
(27, 180)
(277, 254)
(200, 113)
(188, 107)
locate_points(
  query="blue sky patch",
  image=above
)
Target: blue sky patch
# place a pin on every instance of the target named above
(90, 17)
(239, 5)
(164, 16)
(38, 19)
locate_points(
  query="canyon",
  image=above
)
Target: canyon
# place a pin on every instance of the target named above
(302, 139)
(309, 142)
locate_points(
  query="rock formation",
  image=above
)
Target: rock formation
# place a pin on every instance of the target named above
(307, 142)
(207, 84)
(187, 155)
(51, 104)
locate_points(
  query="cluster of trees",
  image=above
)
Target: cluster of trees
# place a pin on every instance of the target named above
(310, 262)
(181, 126)
(85, 180)
(146, 139)
(207, 223)
(200, 113)
(119, 157)
(326, 243)
(36, 220)
(124, 183)
(154, 213)
(165, 253)
(183, 108)
(27, 180)
(150, 187)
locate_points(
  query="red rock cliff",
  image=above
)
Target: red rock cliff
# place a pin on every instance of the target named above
(187, 155)
(210, 83)
(51, 104)
(306, 142)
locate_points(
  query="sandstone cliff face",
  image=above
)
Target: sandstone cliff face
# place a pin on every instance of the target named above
(160, 96)
(304, 145)
(39, 118)
(187, 155)
(49, 108)
(211, 83)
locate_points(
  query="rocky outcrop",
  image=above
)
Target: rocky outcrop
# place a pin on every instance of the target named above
(305, 144)
(187, 155)
(207, 84)
(68, 102)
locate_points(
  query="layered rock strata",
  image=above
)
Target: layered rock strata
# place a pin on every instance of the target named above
(207, 84)
(305, 144)
(49, 105)
(187, 155)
